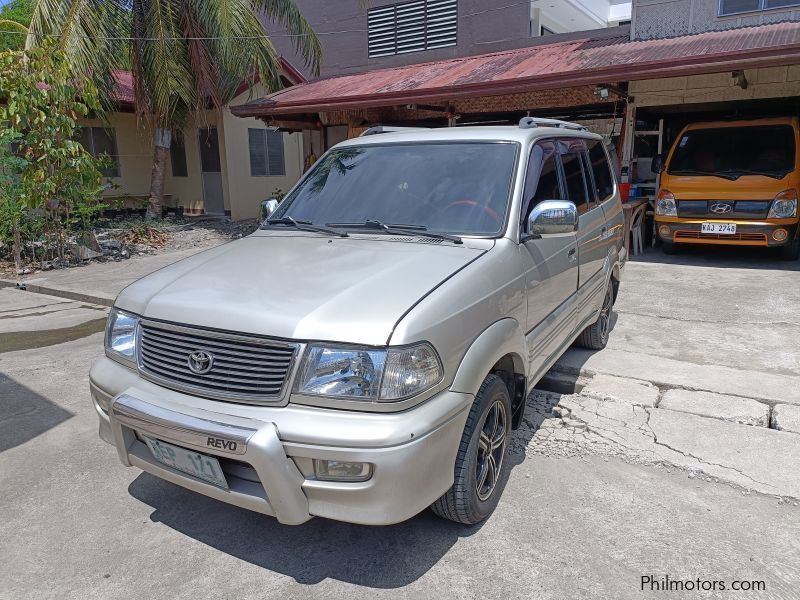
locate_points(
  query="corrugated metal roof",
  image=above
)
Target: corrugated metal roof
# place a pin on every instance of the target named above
(586, 61)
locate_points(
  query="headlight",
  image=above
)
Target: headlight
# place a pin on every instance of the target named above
(121, 335)
(665, 204)
(784, 206)
(368, 374)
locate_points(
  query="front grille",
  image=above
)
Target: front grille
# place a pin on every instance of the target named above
(243, 368)
(739, 209)
(739, 236)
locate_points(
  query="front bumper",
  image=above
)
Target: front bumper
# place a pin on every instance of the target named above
(748, 233)
(270, 469)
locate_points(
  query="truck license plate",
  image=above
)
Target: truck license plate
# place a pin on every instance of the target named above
(198, 465)
(721, 228)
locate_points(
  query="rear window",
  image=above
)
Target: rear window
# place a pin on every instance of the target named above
(603, 179)
(735, 151)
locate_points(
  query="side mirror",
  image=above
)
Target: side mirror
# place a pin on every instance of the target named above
(657, 166)
(268, 207)
(553, 217)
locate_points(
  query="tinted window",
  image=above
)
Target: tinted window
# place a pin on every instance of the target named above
(735, 151)
(101, 142)
(574, 180)
(727, 7)
(601, 169)
(541, 182)
(452, 187)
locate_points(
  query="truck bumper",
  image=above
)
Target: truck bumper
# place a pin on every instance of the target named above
(270, 468)
(748, 233)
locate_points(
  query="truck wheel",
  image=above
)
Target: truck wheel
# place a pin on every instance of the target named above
(595, 336)
(481, 469)
(669, 247)
(791, 251)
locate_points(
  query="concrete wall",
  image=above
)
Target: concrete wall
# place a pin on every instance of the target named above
(246, 192)
(483, 26)
(242, 193)
(772, 82)
(668, 18)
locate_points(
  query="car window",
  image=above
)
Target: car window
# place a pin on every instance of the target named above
(453, 187)
(574, 179)
(601, 169)
(541, 181)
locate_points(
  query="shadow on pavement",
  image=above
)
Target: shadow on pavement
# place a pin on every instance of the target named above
(378, 557)
(725, 257)
(24, 414)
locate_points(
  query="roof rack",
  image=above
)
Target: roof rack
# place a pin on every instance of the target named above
(390, 129)
(531, 122)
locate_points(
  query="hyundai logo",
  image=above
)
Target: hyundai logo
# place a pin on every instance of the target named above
(200, 362)
(720, 208)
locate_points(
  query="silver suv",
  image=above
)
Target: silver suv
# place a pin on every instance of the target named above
(367, 352)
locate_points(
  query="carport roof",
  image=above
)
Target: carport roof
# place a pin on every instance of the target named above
(590, 60)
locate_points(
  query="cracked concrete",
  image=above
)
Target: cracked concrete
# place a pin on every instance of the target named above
(581, 425)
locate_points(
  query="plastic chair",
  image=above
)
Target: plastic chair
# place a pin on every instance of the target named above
(636, 230)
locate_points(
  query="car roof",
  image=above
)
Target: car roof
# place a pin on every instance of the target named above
(492, 133)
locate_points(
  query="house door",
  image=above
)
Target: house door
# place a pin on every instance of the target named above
(211, 169)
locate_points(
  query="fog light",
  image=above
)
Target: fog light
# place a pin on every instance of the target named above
(779, 235)
(341, 470)
(664, 231)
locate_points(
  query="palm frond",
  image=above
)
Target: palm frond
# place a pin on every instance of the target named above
(286, 14)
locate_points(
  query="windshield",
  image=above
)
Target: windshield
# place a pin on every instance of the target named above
(459, 188)
(735, 151)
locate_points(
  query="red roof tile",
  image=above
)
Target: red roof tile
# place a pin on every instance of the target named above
(587, 61)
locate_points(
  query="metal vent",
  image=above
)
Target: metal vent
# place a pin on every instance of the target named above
(241, 367)
(412, 27)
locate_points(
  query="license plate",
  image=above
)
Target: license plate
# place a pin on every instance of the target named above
(198, 465)
(721, 228)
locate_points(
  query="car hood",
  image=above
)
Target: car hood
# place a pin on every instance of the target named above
(303, 287)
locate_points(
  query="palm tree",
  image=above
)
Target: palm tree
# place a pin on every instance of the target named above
(186, 56)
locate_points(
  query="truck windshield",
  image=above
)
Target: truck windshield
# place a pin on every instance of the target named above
(458, 187)
(732, 152)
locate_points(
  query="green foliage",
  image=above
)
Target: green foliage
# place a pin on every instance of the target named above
(17, 11)
(54, 176)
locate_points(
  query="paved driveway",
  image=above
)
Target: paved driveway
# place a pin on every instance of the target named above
(588, 511)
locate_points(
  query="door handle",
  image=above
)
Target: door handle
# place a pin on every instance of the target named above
(572, 255)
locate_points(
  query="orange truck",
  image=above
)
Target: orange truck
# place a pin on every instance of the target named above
(732, 183)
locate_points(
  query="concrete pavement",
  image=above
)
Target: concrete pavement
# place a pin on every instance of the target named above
(571, 524)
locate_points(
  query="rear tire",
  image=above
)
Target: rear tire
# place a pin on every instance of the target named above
(595, 336)
(791, 251)
(669, 247)
(480, 471)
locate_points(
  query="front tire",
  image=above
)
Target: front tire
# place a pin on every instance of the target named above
(481, 471)
(669, 247)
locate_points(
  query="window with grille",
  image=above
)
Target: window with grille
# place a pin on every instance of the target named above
(266, 153)
(732, 7)
(412, 27)
(100, 141)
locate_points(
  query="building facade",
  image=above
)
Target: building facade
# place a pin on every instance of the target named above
(670, 18)
(391, 33)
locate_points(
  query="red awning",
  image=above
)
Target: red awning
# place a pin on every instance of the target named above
(587, 61)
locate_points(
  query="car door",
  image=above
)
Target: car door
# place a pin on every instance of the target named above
(603, 177)
(591, 219)
(550, 263)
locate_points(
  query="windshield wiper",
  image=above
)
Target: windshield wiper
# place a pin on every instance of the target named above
(399, 229)
(305, 226)
(773, 174)
(709, 173)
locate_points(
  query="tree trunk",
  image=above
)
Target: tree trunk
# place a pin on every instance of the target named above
(162, 139)
(17, 248)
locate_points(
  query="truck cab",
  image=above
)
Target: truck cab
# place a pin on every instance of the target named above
(732, 183)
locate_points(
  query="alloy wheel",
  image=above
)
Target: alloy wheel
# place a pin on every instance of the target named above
(491, 450)
(605, 313)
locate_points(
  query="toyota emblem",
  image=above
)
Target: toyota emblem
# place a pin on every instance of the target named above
(720, 208)
(200, 362)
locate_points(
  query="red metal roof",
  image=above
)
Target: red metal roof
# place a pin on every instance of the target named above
(124, 94)
(586, 61)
